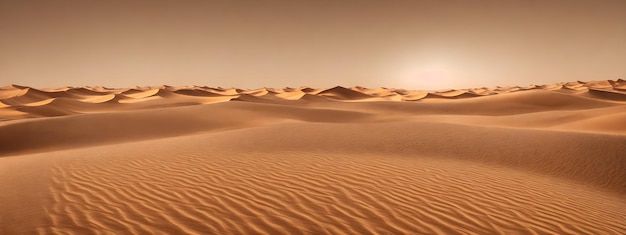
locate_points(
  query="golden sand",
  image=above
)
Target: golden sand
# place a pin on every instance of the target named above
(547, 159)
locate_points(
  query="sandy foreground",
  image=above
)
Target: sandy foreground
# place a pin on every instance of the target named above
(547, 159)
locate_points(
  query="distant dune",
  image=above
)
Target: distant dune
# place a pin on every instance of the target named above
(539, 159)
(19, 102)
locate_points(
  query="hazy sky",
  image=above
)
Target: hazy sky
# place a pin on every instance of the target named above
(250, 44)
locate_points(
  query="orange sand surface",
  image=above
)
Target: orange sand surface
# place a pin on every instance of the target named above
(544, 159)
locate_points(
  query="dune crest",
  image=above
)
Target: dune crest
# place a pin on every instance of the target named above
(15, 96)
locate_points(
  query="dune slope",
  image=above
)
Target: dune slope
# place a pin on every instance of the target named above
(545, 159)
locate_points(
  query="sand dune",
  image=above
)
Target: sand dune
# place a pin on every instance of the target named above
(620, 84)
(455, 94)
(342, 93)
(291, 95)
(100, 98)
(538, 159)
(607, 94)
(256, 92)
(138, 94)
(15, 96)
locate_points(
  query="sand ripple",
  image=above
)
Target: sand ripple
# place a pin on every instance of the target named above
(213, 192)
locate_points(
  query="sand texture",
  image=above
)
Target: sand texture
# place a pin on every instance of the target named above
(540, 159)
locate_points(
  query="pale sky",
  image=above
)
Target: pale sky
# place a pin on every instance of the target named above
(321, 43)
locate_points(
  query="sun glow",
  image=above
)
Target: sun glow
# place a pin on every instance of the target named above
(425, 75)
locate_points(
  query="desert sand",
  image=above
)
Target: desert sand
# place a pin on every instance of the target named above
(540, 159)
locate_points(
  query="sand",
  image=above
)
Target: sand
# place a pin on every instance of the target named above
(540, 159)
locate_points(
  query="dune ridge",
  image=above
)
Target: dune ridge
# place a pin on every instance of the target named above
(538, 159)
(16, 97)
